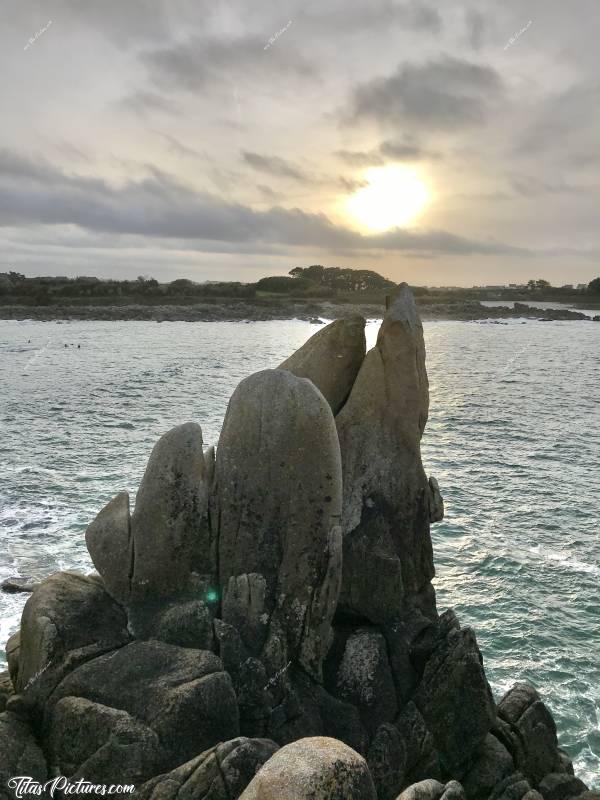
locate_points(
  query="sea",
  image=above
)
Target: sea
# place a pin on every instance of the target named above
(513, 438)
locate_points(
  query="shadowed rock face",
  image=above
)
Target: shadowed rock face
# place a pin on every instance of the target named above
(19, 752)
(169, 514)
(277, 512)
(150, 554)
(182, 695)
(108, 540)
(331, 359)
(67, 614)
(386, 508)
(221, 772)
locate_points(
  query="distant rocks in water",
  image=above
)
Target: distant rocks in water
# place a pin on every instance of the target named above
(19, 584)
(264, 625)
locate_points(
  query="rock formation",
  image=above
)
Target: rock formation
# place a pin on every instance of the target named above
(263, 625)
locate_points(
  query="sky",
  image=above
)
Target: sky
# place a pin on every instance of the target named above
(454, 143)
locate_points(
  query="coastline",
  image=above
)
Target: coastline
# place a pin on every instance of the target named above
(253, 312)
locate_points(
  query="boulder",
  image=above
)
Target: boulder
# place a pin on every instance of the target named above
(386, 505)
(6, 689)
(13, 647)
(424, 790)
(18, 584)
(315, 768)
(97, 742)
(386, 760)
(69, 617)
(559, 786)
(277, 511)
(453, 790)
(421, 756)
(221, 773)
(331, 359)
(514, 787)
(535, 744)
(21, 755)
(180, 694)
(492, 764)
(185, 622)
(169, 524)
(364, 679)
(109, 543)
(455, 699)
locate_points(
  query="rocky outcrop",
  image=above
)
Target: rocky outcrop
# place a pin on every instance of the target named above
(331, 359)
(223, 771)
(433, 790)
(455, 699)
(149, 554)
(313, 769)
(386, 508)
(21, 754)
(181, 695)
(18, 584)
(277, 595)
(6, 689)
(108, 540)
(530, 733)
(277, 509)
(69, 618)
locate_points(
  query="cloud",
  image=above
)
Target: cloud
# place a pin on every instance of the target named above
(352, 16)
(572, 115)
(528, 186)
(178, 147)
(476, 26)
(273, 165)
(448, 93)
(34, 193)
(360, 158)
(199, 63)
(145, 102)
(389, 150)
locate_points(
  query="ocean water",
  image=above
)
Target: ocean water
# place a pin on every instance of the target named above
(513, 438)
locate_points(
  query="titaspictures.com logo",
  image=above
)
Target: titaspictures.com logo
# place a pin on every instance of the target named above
(24, 786)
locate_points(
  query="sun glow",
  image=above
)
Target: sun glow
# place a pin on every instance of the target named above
(393, 197)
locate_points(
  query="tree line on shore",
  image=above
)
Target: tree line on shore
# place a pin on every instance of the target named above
(315, 281)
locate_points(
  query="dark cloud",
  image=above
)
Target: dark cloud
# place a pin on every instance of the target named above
(144, 102)
(406, 151)
(476, 26)
(351, 16)
(445, 94)
(198, 63)
(360, 158)
(528, 186)
(389, 150)
(160, 207)
(273, 165)
(572, 115)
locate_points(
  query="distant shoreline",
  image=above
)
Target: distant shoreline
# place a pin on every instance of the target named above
(246, 311)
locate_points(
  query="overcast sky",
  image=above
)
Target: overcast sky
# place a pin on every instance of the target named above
(220, 140)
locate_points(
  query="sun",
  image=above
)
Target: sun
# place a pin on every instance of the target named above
(393, 197)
